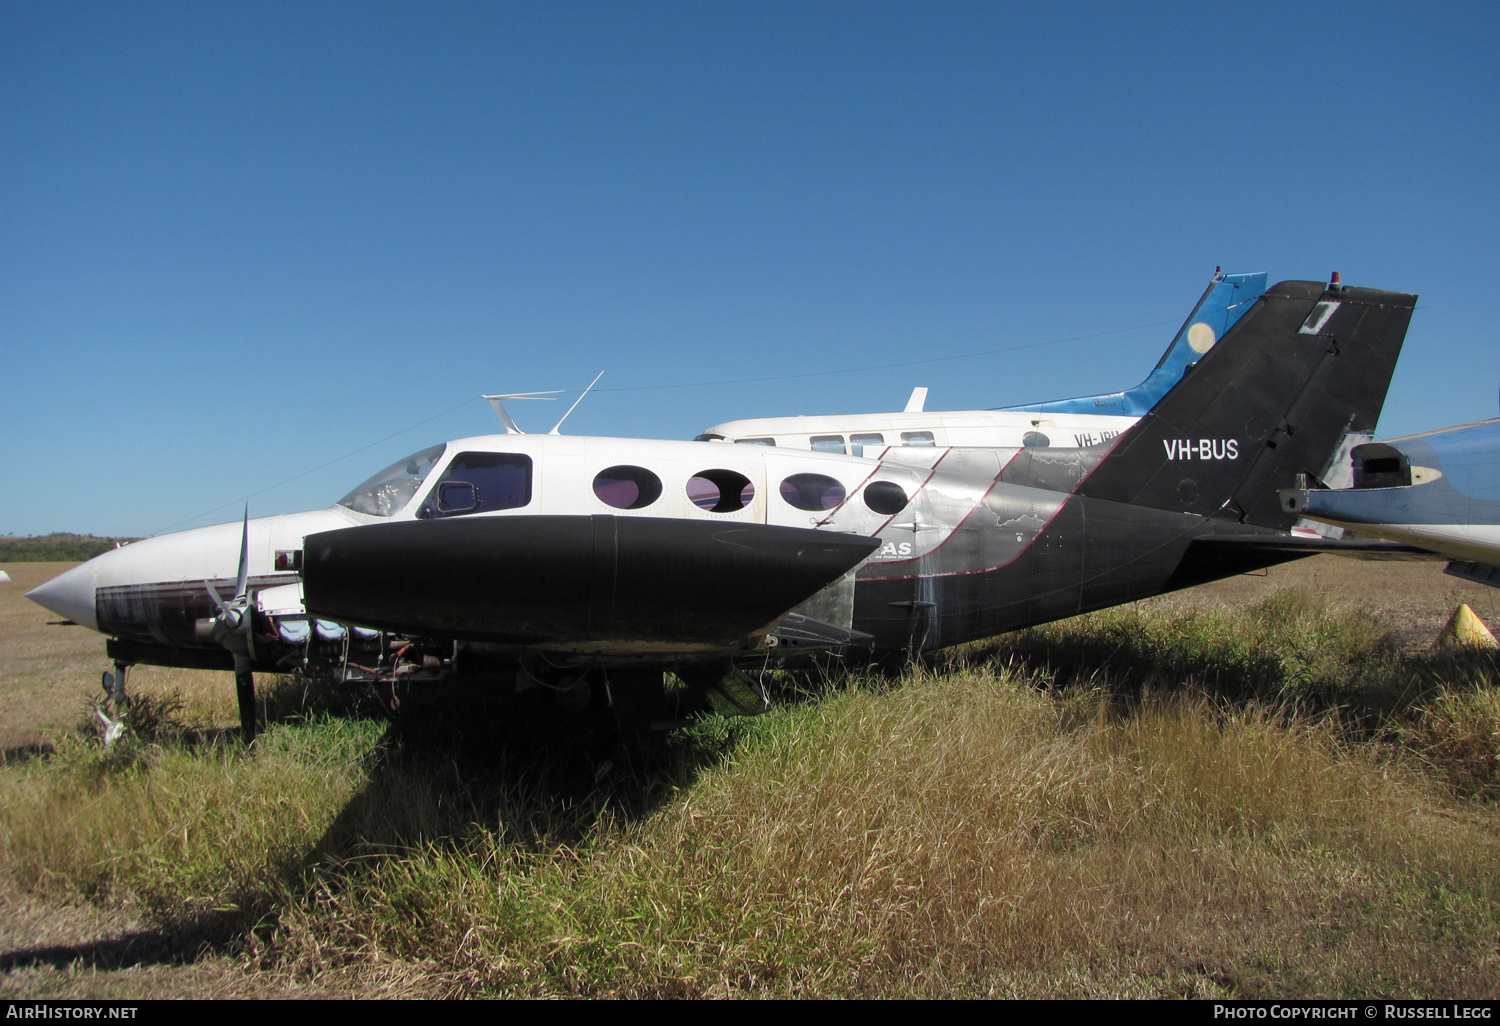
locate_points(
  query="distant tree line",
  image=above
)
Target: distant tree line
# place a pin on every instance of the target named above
(55, 548)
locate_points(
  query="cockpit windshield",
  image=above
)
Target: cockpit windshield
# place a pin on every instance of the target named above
(389, 491)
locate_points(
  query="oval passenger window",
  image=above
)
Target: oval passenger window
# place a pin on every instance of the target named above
(812, 491)
(720, 491)
(627, 487)
(885, 497)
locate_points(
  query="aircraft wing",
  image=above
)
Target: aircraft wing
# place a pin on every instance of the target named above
(1216, 556)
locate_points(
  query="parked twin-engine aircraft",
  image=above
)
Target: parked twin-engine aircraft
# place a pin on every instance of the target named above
(617, 559)
(1061, 424)
(1439, 491)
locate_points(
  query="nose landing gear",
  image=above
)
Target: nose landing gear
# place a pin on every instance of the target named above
(114, 693)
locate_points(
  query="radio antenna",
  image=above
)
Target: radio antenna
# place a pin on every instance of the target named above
(575, 403)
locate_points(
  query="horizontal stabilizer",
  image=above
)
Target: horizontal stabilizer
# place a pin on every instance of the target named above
(1214, 557)
(1299, 545)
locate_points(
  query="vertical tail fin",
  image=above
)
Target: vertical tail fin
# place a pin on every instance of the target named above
(1226, 299)
(1272, 399)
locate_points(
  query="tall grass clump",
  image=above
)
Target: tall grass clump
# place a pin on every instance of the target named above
(1456, 735)
(1292, 646)
(959, 835)
(1294, 650)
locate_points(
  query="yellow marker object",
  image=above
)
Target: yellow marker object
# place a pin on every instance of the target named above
(1466, 630)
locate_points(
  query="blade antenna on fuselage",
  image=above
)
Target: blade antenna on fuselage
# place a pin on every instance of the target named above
(498, 402)
(575, 403)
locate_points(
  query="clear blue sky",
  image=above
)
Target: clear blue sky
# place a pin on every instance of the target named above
(241, 240)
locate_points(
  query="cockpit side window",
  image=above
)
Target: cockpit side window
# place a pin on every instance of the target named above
(388, 492)
(480, 482)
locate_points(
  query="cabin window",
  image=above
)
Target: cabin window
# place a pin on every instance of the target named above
(885, 497)
(720, 491)
(755, 441)
(1035, 439)
(627, 487)
(917, 438)
(857, 443)
(812, 491)
(480, 482)
(388, 492)
(828, 443)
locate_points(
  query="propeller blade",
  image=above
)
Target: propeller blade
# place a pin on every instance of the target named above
(218, 601)
(243, 578)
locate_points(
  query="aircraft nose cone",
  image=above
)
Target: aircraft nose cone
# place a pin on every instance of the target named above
(70, 595)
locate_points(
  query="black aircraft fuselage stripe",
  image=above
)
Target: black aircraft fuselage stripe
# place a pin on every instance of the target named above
(970, 606)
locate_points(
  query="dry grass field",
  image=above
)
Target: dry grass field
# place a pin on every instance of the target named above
(1266, 786)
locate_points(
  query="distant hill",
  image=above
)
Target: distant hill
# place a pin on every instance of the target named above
(55, 548)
